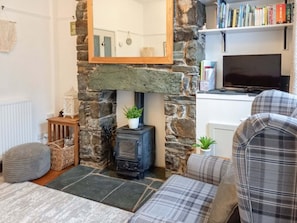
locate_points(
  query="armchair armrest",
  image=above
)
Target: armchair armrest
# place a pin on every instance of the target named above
(274, 101)
(263, 131)
(208, 169)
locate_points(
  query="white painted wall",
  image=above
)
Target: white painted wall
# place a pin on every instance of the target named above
(154, 105)
(42, 65)
(65, 74)
(27, 70)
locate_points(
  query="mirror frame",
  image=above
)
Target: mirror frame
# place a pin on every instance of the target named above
(168, 59)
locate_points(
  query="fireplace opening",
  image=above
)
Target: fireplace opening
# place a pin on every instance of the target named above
(135, 148)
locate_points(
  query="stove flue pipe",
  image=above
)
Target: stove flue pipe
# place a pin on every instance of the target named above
(139, 103)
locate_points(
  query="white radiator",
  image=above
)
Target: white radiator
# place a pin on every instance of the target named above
(15, 123)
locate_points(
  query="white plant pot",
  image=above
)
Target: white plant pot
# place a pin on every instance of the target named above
(133, 123)
(205, 152)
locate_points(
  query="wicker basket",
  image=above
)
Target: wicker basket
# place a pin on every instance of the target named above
(61, 157)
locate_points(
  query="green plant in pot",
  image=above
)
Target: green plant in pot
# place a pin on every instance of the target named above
(133, 114)
(204, 143)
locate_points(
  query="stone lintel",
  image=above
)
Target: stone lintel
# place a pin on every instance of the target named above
(118, 77)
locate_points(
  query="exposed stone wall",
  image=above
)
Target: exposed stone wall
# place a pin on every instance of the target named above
(98, 107)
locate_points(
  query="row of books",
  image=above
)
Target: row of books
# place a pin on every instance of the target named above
(247, 15)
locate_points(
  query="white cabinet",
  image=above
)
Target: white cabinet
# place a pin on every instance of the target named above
(218, 115)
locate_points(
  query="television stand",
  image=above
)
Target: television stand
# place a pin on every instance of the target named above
(233, 92)
(253, 91)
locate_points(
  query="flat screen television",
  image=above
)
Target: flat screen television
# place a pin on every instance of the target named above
(252, 72)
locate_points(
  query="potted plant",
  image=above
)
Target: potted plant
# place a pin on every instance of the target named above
(133, 114)
(204, 143)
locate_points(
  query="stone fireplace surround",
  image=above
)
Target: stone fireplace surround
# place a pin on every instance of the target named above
(97, 85)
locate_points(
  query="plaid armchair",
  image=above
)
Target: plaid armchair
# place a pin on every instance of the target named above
(190, 198)
(265, 160)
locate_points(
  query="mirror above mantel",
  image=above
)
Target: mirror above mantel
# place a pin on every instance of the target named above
(130, 31)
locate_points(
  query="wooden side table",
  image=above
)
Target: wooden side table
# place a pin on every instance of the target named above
(58, 128)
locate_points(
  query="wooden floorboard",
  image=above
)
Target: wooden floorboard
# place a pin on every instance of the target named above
(51, 175)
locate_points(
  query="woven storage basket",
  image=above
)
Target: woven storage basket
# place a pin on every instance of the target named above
(61, 157)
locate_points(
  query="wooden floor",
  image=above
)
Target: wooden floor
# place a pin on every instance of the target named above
(51, 175)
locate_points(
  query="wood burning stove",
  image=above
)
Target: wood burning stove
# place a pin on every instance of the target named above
(134, 150)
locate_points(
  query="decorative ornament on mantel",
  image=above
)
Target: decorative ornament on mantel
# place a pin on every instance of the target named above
(71, 103)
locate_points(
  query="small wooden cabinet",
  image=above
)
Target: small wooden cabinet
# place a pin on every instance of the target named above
(59, 128)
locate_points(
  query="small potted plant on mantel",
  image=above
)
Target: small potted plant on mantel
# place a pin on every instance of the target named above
(204, 143)
(133, 114)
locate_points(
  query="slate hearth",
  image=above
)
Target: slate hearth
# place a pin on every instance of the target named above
(107, 187)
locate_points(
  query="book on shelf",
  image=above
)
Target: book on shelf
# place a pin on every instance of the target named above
(234, 17)
(207, 75)
(252, 15)
(289, 12)
(281, 16)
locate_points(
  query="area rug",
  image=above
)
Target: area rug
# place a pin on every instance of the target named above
(106, 187)
(30, 203)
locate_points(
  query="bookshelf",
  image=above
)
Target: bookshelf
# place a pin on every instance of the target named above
(246, 28)
(212, 2)
(212, 26)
